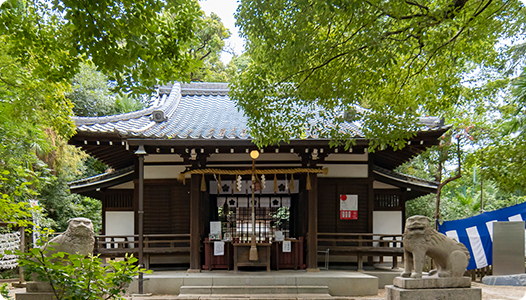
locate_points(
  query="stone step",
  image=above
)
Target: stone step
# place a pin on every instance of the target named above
(257, 297)
(254, 290)
(340, 283)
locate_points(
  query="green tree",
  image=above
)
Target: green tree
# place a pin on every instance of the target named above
(136, 44)
(125, 104)
(91, 94)
(401, 60)
(212, 35)
(237, 65)
(503, 153)
(476, 191)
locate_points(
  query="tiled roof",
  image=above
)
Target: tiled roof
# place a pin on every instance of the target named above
(405, 178)
(191, 111)
(104, 177)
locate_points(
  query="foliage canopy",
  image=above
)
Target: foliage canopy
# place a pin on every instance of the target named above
(399, 59)
(135, 44)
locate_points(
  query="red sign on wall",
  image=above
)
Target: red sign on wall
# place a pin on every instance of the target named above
(348, 207)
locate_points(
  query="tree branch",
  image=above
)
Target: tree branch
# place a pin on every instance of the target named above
(7, 83)
(418, 5)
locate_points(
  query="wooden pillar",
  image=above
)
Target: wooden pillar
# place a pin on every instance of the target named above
(312, 240)
(370, 193)
(141, 216)
(403, 197)
(195, 213)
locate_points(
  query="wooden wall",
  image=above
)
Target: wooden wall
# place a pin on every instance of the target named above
(166, 207)
(329, 191)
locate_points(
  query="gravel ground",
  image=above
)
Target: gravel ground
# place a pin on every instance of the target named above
(488, 293)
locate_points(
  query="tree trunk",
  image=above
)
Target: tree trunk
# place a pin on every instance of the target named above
(448, 180)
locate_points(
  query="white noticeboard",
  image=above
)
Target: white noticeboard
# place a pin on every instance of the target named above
(287, 246)
(219, 248)
(215, 227)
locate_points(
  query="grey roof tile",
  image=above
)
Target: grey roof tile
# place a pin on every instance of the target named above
(192, 111)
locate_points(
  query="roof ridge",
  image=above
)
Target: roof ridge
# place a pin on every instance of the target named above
(161, 103)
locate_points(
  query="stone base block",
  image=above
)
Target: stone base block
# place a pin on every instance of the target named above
(36, 290)
(395, 293)
(35, 296)
(38, 286)
(432, 282)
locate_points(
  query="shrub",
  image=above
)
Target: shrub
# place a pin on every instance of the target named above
(80, 277)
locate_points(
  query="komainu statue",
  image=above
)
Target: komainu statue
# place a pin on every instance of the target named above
(79, 238)
(420, 239)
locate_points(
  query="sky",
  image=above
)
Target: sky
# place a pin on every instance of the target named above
(225, 9)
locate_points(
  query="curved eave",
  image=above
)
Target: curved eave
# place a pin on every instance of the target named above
(390, 158)
(415, 187)
(92, 188)
(110, 148)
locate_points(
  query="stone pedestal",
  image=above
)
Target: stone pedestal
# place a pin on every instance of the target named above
(36, 291)
(429, 288)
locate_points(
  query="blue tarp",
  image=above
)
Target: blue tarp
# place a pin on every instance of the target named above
(476, 233)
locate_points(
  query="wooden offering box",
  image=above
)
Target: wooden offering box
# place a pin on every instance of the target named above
(217, 261)
(242, 251)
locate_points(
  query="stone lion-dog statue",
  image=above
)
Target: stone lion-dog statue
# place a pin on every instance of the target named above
(420, 239)
(79, 238)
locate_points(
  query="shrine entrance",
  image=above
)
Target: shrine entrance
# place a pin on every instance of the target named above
(276, 213)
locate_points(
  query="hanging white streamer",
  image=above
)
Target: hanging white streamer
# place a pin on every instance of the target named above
(9, 242)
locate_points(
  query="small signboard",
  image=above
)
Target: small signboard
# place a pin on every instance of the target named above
(287, 246)
(348, 207)
(219, 248)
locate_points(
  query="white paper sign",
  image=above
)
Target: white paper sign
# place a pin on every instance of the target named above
(215, 227)
(219, 248)
(287, 246)
(348, 207)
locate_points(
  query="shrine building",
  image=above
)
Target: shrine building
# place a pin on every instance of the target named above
(181, 189)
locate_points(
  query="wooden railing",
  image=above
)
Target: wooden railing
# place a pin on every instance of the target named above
(119, 245)
(362, 244)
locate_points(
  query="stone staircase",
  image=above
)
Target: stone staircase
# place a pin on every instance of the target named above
(285, 284)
